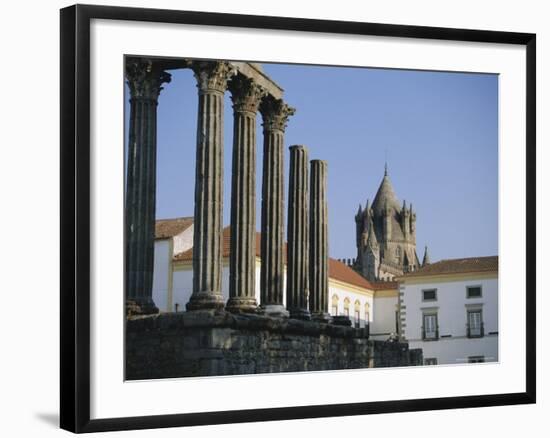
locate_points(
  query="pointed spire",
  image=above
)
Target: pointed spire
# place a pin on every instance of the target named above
(404, 205)
(386, 168)
(359, 215)
(426, 259)
(385, 194)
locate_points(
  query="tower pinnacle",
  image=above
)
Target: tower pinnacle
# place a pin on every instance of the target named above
(426, 259)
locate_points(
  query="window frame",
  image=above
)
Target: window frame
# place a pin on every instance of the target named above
(434, 290)
(470, 312)
(347, 303)
(468, 297)
(436, 331)
(335, 301)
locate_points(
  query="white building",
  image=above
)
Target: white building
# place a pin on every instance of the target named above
(349, 293)
(385, 321)
(450, 310)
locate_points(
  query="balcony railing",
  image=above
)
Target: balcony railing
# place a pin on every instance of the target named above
(475, 332)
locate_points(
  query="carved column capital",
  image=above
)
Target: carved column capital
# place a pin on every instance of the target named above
(246, 94)
(212, 76)
(275, 113)
(145, 78)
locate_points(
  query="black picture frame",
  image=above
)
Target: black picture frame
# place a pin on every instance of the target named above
(75, 217)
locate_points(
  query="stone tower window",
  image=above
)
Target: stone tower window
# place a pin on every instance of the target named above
(398, 254)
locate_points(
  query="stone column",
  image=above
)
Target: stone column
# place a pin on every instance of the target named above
(297, 284)
(212, 77)
(145, 80)
(275, 114)
(246, 96)
(318, 242)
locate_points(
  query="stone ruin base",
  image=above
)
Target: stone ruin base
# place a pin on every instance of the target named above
(215, 343)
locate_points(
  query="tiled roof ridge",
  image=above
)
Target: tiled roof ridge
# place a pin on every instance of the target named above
(464, 258)
(457, 266)
(169, 219)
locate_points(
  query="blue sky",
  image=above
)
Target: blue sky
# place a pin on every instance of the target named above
(438, 130)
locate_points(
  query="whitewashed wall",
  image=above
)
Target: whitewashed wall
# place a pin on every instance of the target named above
(383, 322)
(161, 273)
(457, 350)
(452, 305)
(182, 287)
(337, 288)
(183, 283)
(184, 240)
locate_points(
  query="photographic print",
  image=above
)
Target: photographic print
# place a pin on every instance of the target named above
(288, 208)
(299, 218)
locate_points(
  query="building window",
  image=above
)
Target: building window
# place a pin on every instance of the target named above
(476, 359)
(430, 361)
(357, 310)
(430, 329)
(473, 292)
(475, 324)
(335, 305)
(429, 295)
(367, 313)
(346, 307)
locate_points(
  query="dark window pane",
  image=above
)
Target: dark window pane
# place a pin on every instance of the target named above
(474, 292)
(429, 295)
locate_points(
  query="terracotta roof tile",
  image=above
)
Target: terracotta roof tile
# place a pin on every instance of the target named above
(337, 270)
(226, 247)
(385, 285)
(342, 272)
(457, 266)
(166, 228)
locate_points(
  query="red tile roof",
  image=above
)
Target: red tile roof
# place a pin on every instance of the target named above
(385, 285)
(457, 266)
(166, 228)
(342, 272)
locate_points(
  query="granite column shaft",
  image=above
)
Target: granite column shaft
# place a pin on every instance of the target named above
(275, 114)
(212, 77)
(318, 230)
(246, 96)
(297, 285)
(145, 81)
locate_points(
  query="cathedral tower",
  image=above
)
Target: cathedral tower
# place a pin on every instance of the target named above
(386, 236)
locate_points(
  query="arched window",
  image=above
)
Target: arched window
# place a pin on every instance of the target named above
(346, 307)
(357, 314)
(335, 305)
(367, 313)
